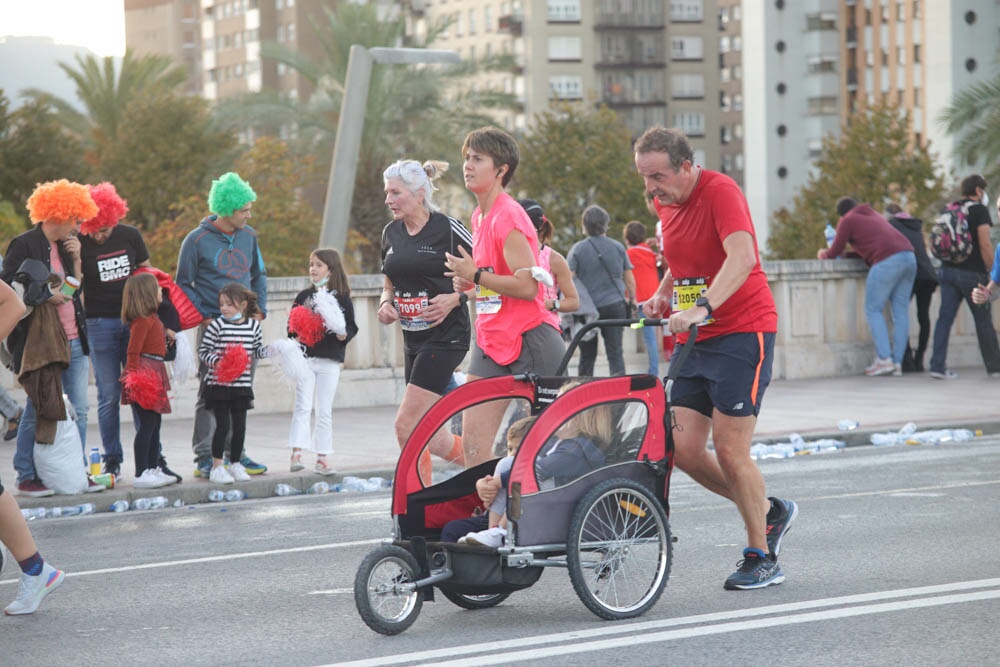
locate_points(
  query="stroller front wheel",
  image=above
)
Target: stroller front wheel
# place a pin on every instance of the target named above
(383, 605)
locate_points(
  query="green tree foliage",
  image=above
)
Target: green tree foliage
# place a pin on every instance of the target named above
(11, 224)
(167, 149)
(973, 118)
(418, 112)
(106, 92)
(576, 155)
(285, 224)
(872, 161)
(34, 148)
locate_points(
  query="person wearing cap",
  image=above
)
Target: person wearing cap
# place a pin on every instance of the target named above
(562, 296)
(604, 268)
(222, 249)
(109, 252)
(55, 208)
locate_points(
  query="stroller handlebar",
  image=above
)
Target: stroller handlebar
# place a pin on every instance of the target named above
(634, 324)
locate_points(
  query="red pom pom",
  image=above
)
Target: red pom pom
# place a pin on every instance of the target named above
(143, 387)
(307, 326)
(232, 364)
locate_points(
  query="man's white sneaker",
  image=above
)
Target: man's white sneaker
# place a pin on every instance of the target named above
(164, 477)
(151, 478)
(33, 589)
(238, 472)
(491, 537)
(880, 367)
(220, 475)
(943, 375)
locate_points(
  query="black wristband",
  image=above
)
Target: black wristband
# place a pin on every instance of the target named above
(479, 272)
(463, 298)
(703, 302)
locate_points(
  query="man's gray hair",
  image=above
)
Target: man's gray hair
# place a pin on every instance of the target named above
(671, 141)
(595, 220)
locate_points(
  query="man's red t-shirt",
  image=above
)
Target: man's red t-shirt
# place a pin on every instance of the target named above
(693, 233)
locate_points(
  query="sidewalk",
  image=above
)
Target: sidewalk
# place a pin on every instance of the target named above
(365, 443)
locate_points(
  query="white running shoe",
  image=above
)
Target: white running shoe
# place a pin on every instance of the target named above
(220, 475)
(151, 478)
(33, 589)
(238, 472)
(167, 479)
(880, 367)
(491, 537)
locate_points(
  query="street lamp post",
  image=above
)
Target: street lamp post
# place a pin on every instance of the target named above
(347, 145)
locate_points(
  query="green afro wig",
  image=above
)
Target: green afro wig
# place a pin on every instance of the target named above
(229, 193)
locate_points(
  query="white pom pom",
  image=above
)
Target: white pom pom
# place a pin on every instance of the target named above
(333, 316)
(288, 358)
(185, 366)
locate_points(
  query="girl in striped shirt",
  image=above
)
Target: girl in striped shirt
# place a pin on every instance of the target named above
(227, 389)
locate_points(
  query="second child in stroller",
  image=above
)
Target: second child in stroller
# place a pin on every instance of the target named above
(579, 449)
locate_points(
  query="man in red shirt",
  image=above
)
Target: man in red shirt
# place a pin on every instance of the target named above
(714, 280)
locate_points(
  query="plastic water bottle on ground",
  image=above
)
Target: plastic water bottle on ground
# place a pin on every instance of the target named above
(848, 424)
(154, 503)
(351, 483)
(285, 490)
(32, 513)
(909, 429)
(884, 439)
(216, 496)
(95, 462)
(73, 510)
(119, 506)
(318, 488)
(235, 495)
(375, 484)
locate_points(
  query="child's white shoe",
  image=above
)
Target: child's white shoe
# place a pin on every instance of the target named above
(238, 472)
(491, 537)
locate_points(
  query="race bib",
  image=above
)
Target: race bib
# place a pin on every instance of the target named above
(411, 311)
(487, 301)
(687, 291)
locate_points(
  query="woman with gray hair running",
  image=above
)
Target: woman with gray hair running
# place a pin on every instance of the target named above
(417, 294)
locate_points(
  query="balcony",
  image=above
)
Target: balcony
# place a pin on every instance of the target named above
(629, 21)
(512, 24)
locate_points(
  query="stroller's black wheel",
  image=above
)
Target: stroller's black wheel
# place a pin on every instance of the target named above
(384, 606)
(618, 550)
(475, 601)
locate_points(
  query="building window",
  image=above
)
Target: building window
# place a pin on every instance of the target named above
(488, 19)
(564, 10)
(821, 21)
(724, 44)
(687, 85)
(823, 105)
(691, 123)
(686, 48)
(566, 87)
(565, 48)
(686, 11)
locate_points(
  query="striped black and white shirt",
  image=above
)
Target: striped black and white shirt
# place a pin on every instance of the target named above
(219, 335)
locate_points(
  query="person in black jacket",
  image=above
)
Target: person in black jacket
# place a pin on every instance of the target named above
(923, 285)
(317, 389)
(56, 208)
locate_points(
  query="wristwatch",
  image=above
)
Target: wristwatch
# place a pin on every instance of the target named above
(463, 298)
(555, 306)
(703, 302)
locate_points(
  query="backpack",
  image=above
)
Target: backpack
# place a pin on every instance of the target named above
(951, 238)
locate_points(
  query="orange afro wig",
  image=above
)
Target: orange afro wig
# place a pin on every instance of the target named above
(61, 202)
(112, 208)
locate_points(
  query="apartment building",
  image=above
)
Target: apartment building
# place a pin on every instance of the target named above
(651, 61)
(167, 27)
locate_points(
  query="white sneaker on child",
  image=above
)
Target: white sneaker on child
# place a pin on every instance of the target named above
(491, 537)
(164, 477)
(238, 472)
(33, 589)
(150, 479)
(220, 475)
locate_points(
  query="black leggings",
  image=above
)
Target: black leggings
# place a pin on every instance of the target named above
(146, 446)
(923, 290)
(230, 417)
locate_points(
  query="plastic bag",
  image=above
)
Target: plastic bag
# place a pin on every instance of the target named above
(60, 465)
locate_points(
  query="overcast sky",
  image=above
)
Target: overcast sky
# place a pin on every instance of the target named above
(98, 25)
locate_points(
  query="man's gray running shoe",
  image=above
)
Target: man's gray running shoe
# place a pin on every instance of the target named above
(756, 570)
(779, 520)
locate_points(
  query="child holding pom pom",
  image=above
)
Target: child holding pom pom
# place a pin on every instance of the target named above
(323, 322)
(145, 382)
(228, 347)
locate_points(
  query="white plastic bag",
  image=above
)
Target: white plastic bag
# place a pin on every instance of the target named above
(60, 465)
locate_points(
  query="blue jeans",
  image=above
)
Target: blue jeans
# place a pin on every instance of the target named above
(108, 338)
(74, 381)
(956, 286)
(612, 343)
(890, 280)
(651, 340)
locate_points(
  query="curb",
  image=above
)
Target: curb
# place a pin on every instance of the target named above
(861, 437)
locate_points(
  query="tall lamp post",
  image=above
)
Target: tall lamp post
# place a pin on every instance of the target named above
(346, 147)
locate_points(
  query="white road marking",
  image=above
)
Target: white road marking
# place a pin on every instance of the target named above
(794, 612)
(332, 591)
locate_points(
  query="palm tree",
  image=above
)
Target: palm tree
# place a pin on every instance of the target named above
(412, 111)
(106, 92)
(973, 117)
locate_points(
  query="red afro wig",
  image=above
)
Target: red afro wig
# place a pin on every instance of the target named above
(61, 202)
(306, 325)
(111, 208)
